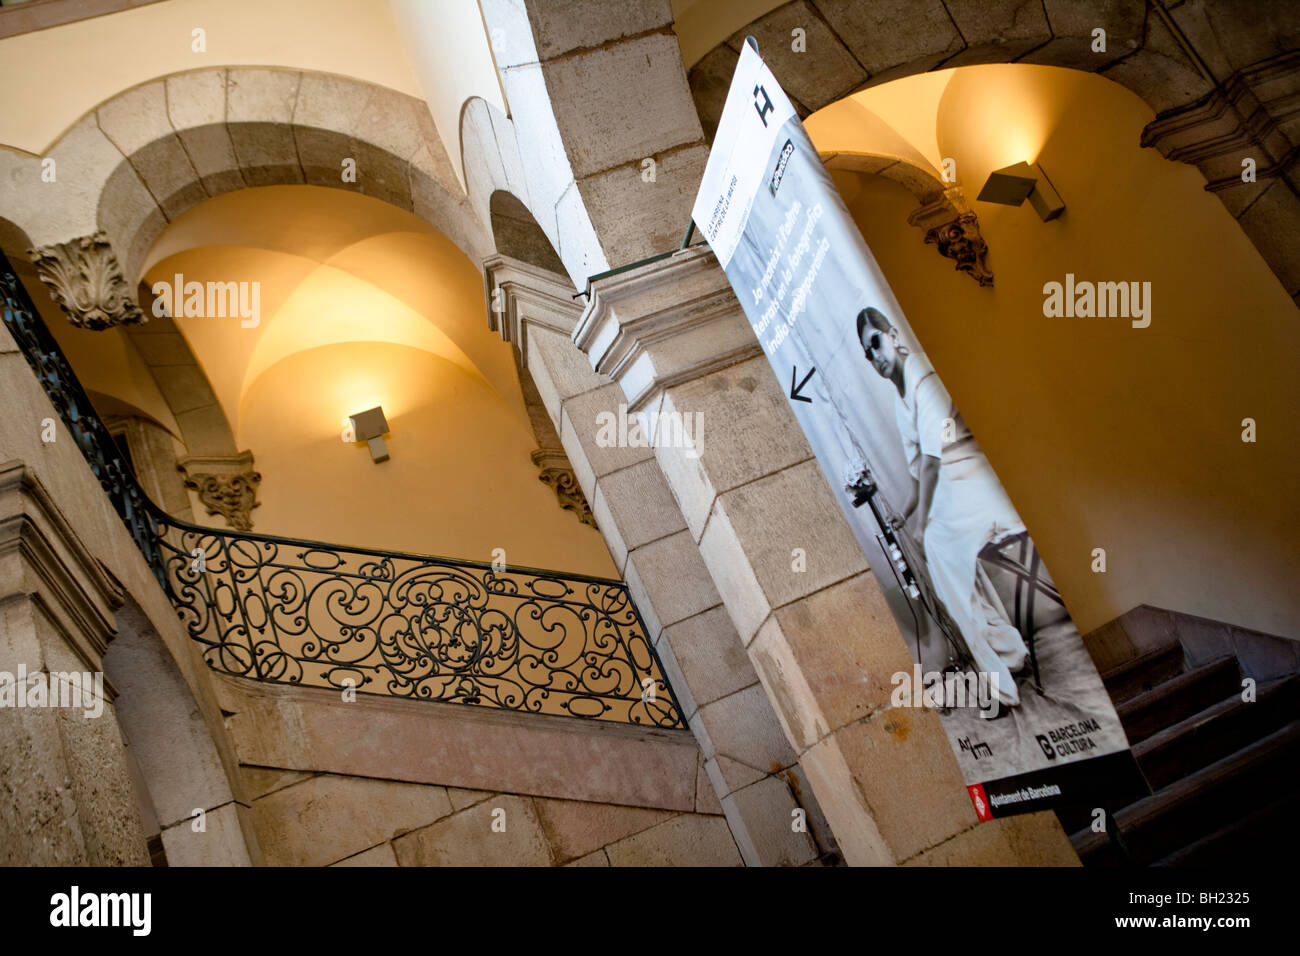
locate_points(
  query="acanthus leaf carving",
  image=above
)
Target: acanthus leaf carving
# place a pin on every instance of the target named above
(557, 474)
(86, 280)
(226, 486)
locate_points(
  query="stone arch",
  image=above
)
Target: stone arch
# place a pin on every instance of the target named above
(918, 179)
(515, 233)
(859, 46)
(1213, 76)
(525, 253)
(147, 155)
(180, 767)
(271, 127)
(167, 353)
(491, 158)
(14, 243)
(944, 215)
(591, 106)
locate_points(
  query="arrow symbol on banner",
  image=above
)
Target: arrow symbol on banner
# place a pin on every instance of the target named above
(795, 389)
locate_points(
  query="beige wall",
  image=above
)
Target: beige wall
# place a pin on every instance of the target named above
(702, 24)
(448, 46)
(1105, 435)
(352, 37)
(362, 304)
(459, 483)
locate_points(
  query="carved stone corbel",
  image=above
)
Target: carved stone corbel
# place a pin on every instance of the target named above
(553, 466)
(86, 280)
(226, 486)
(513, 286)
(955, 230)
(557, 474)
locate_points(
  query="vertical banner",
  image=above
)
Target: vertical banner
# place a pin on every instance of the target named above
(996, 652)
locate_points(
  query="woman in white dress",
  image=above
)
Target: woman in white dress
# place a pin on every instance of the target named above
(957, 504)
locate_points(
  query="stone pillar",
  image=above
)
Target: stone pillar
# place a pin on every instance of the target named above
(68, 794)
(792, 578)
(615, 151)
(750, 764)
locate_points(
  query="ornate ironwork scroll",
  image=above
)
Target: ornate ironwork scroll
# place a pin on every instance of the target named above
(398, 625)
(402, 625)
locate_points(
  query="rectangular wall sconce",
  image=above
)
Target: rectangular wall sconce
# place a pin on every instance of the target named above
(1012, 185)
(370, 427)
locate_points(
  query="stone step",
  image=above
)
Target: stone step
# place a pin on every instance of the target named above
(1096, 849)
(1217, 732)
(1213, 798)
(1269, 834)
(1079, 817)
(1143, 673)
(1178, 698)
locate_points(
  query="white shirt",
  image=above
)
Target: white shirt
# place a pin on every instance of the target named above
(924, 413)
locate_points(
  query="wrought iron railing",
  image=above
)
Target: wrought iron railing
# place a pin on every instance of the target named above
(398, 625)
(69, 399)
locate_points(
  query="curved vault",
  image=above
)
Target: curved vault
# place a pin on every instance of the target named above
(331, 268)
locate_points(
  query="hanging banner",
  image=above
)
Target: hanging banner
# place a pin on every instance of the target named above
(996, 652)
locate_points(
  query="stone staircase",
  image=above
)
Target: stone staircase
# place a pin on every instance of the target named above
(1221, 770)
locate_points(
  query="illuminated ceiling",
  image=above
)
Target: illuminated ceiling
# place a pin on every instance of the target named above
(331, 268)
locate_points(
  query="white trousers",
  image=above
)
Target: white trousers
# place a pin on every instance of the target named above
(969, 510)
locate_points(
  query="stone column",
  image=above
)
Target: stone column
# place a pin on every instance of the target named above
(751, 766)
(614, 148)
(68, 795)
(792, 578)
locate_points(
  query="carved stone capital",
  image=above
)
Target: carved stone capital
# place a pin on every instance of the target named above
(951, 225)
(86, 280)
(226, 486)
(521, 296)
(557, 474)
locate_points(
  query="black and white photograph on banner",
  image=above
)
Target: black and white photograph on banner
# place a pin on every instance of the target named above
(996, 652)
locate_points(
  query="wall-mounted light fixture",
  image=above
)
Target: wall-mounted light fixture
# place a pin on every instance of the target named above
(370, 427)
(1012, 185)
